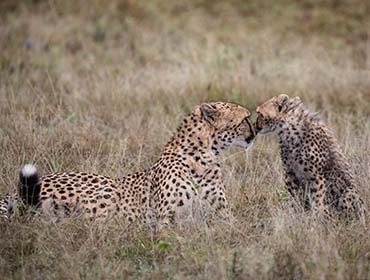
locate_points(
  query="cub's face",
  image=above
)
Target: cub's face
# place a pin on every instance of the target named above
(230, 123)
(273, 112)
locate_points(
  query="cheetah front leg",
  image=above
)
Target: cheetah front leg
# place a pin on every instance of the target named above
(214, 203)
(317, 192)
(174, 202)
(296, 191)
(224, 213)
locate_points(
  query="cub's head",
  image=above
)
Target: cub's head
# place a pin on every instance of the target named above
(274, 111)
(229, 125)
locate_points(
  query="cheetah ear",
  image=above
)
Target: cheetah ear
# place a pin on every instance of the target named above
(208, 113)
(282, 101)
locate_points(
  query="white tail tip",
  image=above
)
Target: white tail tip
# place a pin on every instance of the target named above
(29, 170)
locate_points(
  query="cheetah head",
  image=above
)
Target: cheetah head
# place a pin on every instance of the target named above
(230, 125)
(274, 111)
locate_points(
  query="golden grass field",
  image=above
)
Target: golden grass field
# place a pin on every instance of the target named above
(101, 86)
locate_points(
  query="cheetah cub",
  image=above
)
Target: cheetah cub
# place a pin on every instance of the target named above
(185, 182)
(317, 175)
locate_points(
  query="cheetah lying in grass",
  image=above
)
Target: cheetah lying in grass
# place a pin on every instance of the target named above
(317, 175)
(185, 182)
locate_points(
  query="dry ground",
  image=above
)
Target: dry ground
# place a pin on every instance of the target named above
(101, 86)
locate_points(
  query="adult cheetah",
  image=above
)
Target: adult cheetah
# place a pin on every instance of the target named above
(185, 183)
(317, 175)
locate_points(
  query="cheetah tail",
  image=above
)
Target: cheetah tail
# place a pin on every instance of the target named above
(29, 185)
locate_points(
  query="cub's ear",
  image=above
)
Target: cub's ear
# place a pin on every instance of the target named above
(209, 113)
(282, 102)
(296, 100)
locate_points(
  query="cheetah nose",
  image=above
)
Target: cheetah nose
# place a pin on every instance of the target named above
(249, 139)
(257, 125)
(253, 130)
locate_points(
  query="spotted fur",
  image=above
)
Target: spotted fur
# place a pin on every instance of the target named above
(317, 175)
(185, 183)
(8, 205)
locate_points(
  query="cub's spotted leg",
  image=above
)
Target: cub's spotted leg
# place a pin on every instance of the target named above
(298, 197)
(351, 205)
(317, 191)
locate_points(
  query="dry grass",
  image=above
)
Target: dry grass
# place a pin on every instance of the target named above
(101, 87)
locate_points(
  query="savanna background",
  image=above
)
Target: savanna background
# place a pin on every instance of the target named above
(102, 85)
